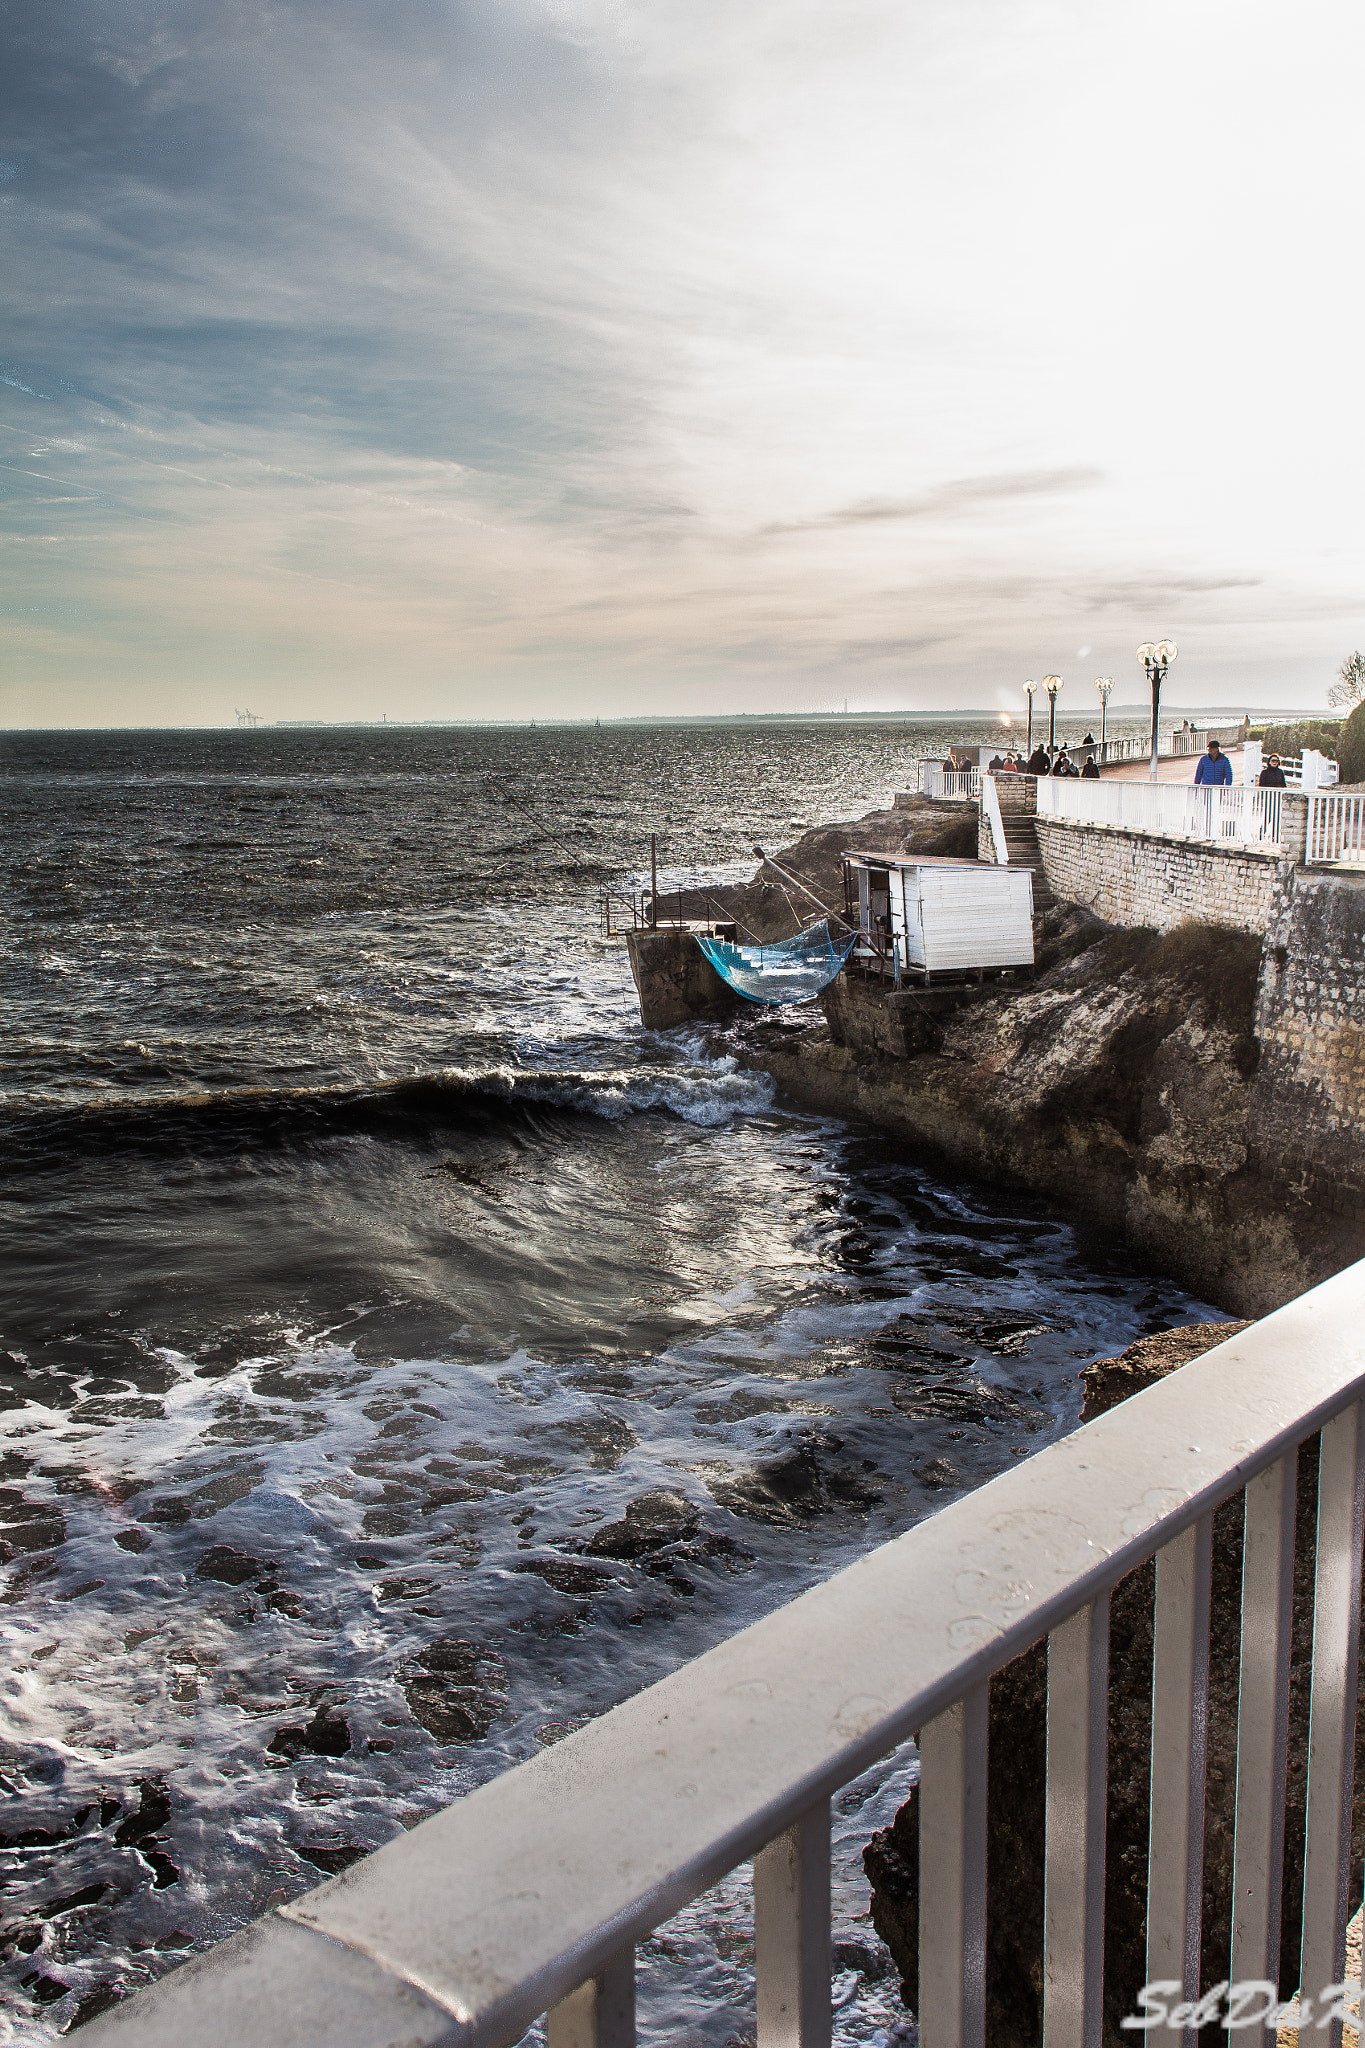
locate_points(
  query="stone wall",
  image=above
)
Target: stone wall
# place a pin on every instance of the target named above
(1308, 1106)
(1141, 878)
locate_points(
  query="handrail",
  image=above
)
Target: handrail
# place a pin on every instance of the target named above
(990, 805)
(529, 1893)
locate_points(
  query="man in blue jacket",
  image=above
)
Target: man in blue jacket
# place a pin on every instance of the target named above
(1215, 766)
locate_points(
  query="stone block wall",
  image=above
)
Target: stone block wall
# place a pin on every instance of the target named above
(1140, 878)
(1308, 1105)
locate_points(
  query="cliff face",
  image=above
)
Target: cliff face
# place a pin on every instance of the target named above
(1120, 1083)
(1016, 1769)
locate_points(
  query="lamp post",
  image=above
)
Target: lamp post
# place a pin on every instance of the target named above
(1029, 688)
(1052, 684)
(1156, 660)
(1104, 684)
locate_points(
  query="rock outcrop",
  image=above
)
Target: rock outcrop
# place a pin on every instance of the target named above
(1016, 1775)
(1119, 1083)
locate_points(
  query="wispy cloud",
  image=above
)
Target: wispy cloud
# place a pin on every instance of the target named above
(961, 495)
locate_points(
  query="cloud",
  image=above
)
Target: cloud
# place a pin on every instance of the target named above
(962, 494)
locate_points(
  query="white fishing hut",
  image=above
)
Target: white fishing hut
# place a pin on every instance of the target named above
(918, 919)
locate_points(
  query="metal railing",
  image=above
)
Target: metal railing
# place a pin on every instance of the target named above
(531, 1894)
(1336, 829)
(1216, 812)
(937, 781)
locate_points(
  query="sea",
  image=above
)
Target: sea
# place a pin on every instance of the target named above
(406, 1356)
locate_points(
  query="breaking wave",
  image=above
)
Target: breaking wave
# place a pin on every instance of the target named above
(702, 1092)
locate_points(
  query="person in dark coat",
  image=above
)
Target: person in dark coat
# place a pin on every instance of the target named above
(1272, 775)
(1038, 763)
(1090, 772)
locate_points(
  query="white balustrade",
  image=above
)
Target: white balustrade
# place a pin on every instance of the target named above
(1174, 810)
(531, 1894)
(1336, 829)
(956, 785)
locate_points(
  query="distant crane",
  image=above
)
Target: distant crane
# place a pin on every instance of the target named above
(246, 717)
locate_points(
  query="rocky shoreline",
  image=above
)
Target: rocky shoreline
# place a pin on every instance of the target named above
(1122, 1083)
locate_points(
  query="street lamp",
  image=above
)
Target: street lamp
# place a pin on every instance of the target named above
(1029, 688)
(1051, 684)
(1104, 684)
(1156, 660)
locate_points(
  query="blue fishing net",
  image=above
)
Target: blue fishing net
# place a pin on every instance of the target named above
(788, 971)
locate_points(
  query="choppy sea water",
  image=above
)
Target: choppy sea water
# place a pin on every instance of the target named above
(407, 1356)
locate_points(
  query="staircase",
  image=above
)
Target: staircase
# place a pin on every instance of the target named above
(1021, 838)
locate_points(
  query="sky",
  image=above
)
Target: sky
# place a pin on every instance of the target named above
(535, 358)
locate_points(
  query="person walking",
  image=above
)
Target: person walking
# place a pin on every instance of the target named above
(1272, 775)
(1214, 767)
(1038, 763)
(1090, 772)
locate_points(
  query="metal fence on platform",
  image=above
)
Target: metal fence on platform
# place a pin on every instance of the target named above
(1218, 813)
(530, 1895)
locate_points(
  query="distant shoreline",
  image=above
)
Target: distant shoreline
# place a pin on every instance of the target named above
(1215, 714)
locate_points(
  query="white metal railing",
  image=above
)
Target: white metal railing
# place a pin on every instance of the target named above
(1176, 810)
(1336, 829)
(530, 1894)
(990, 810)
(937, 781)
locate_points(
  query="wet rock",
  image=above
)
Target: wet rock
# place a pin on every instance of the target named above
(791, 1490)
(141, 1831)
(1110, 1380)
(228, 1566)
(1016, 1784)
(455, 1689)
(153, 1812)
(604, 1438)
(27, 1525)
(564, 1575)
(652, 1521)
(327, 1734)
(330, 1856)
(168, 1513)
(95, 2002)
(42, 1989)
(871, 1963)
(936, 1473)
(964, 1399)
(136, 1540)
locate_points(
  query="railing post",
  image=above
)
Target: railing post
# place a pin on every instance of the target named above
(791, 1935)
(1332, 1714)
(952, 1861)
(1180, 1708)
(1077, 1756)
(601, 2013)
(1263, 1722)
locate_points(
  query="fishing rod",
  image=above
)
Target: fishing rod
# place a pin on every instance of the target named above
(796, 881)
